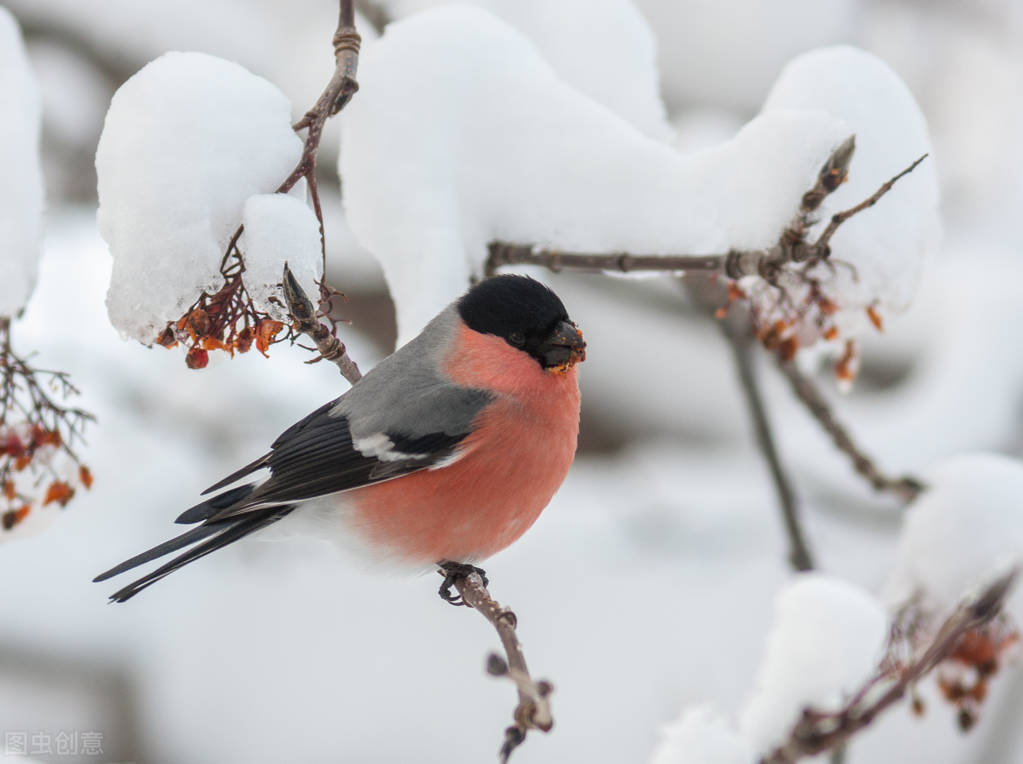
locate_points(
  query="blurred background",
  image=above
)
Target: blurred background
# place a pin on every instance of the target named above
(646, 585)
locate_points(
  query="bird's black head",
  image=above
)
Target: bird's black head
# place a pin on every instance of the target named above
(528, 316)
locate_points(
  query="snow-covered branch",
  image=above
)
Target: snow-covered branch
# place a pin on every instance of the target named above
(198, 257)
(819, 731)
(791, 256)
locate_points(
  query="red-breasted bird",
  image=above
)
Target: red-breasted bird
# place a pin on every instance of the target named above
(443, 454)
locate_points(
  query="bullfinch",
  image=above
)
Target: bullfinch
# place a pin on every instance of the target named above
(443, 454)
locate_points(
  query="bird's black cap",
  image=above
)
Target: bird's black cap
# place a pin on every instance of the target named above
(520, 310)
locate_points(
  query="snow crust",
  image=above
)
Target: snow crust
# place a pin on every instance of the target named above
(603, 48)
(508, 150)
(279, 229)
(701, 736)
(963, 531)
(827, 637)
(21, 186)
(186, 141)
(888, 244)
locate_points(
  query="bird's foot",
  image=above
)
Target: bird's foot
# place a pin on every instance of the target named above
(453, 571)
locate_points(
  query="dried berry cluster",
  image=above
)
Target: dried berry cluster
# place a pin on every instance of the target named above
(226, 320)
(964, 675)
(783, 322)
(34, 430)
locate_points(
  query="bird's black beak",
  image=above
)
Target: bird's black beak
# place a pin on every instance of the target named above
(563, 348)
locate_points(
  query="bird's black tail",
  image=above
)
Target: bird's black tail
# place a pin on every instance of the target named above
(212, 535)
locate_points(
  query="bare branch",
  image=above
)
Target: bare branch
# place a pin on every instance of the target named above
(339, 91)
(533, 710)
(799, 552)
(905, 487)
(820, 731)
(326, 340)
(502, 253)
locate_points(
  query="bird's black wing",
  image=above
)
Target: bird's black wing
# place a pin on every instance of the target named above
(314, 457)
(320, 455)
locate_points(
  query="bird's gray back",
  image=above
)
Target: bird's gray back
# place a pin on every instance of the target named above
(408, 392)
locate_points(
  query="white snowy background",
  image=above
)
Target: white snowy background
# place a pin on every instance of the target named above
(646, 592)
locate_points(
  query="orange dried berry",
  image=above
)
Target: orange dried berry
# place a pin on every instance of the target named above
(167, 338)
(85, 476)
(831, 333)
(198, 323)
(266, 330)
(8, 490)
(60, 492)
(244, 339)
(212, 343)
(9, 519)
(966, 719)
(845, 368)
(788, 348)
(979, 691)
(735, 292)
(875, 318)
(44, 437)
(22, 512)
(197, 358)
(22, 462)
(826, 306)
(11, 445)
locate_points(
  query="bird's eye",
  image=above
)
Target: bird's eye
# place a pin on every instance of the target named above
(518, 339)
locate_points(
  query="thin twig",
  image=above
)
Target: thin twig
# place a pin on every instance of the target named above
(736, 326)
(533, 711)
(905, 488)
(820, 731)
(800, 557)
(838, 218)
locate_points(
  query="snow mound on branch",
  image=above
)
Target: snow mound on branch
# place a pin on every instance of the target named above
(21, 187)
(279, 229)
(603, 48)
(828, 636)
(463, 134)
(186, 141)
(701, 736)
(964, 531)
(887, 244)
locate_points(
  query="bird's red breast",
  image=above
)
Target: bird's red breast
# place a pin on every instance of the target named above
(514, 460)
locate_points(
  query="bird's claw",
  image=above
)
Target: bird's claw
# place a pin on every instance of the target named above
(452, 572)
